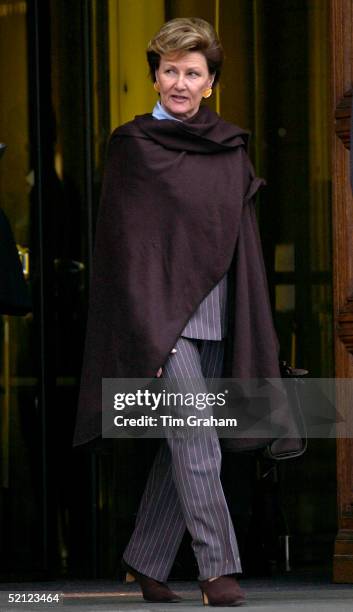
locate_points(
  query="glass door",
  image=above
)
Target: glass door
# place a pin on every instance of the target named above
(47, 495)
(22, 508)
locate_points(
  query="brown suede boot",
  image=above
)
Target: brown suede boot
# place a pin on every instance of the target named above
(222, 591)
(152, 590)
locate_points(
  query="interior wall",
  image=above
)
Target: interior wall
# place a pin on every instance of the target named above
(131, 89)
(237, 82)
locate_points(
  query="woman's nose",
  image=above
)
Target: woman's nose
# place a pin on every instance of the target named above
(180, 84)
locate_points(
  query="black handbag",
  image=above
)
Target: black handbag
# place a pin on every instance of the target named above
(287, 446)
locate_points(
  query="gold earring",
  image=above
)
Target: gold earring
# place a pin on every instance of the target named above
(207, 93)
(156, 86)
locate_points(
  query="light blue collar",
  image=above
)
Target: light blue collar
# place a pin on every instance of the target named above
(159, 112)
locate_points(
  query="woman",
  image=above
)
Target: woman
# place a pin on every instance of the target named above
(179, 290)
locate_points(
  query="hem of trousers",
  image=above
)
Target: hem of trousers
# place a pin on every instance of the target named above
(235, 569)
(159, 576)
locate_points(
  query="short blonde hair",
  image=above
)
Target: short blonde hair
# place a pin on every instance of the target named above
(182, 35)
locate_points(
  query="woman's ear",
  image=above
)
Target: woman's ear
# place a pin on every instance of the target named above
(212, 78)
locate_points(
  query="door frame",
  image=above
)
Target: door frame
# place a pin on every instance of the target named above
(342, 211)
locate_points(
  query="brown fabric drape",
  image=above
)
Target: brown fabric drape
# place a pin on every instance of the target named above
(176, 214)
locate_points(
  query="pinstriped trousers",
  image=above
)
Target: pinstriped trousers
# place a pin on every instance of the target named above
(184, 490)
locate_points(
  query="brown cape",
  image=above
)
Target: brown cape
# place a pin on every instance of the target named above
(176, 214)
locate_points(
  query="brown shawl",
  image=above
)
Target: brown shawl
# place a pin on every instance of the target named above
(177, 212)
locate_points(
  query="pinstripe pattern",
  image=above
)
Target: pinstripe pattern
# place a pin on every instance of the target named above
(184, 489)
(209, 321)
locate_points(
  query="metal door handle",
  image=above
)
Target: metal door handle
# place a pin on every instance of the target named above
(23, 253)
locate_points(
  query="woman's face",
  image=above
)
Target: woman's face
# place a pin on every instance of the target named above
(182, 80)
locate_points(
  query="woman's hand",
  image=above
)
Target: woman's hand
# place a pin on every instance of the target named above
(160, 371)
